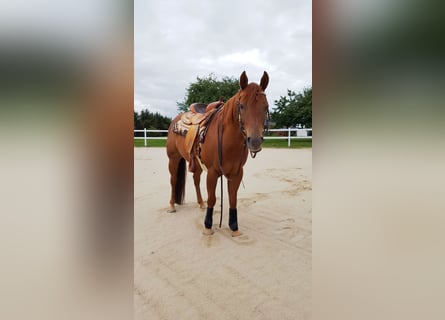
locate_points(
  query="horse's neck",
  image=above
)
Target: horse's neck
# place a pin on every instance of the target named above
(231, 121)
(231, 112)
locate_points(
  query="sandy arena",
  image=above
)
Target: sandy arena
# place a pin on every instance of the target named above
(179, 273)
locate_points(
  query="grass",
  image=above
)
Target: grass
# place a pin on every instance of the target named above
(150, 143)
(282, 143)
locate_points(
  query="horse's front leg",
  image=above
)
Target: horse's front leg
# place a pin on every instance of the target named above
(212, 179)
(233, 185)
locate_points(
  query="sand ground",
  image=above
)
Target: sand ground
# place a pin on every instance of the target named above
(179, 273)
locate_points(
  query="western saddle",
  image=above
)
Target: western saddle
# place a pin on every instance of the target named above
(193, 125)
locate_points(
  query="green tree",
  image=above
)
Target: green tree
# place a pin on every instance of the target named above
(137, 121)
(209, 89)
(151, 121)
(293, 109)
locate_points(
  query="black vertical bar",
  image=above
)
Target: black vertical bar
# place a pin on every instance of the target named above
(220, 219)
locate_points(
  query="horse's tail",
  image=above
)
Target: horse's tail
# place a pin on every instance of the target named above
(180, 182)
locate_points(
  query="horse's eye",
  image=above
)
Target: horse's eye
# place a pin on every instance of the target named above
(242, 106)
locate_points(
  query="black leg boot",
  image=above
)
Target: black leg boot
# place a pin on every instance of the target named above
(208, 222)
(233, 219)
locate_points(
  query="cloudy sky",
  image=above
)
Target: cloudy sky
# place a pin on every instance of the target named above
(176, 41)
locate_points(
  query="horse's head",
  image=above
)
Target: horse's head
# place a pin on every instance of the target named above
(253, 111)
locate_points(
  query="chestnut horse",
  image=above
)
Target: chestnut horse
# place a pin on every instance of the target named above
(238, 123)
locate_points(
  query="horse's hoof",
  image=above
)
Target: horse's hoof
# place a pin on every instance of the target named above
(202, 206)
(208, 232)
(170, 210)
(236, 233)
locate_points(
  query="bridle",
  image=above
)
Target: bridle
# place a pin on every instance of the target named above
(241, 124)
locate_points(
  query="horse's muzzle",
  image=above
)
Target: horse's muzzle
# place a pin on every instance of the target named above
(254, 143)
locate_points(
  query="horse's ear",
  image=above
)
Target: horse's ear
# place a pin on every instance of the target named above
(243, 81)
(264, 81)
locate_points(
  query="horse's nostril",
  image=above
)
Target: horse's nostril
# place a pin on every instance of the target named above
(254, 142)
(262, 139)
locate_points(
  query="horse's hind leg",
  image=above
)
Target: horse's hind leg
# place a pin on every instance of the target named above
(177, 168)
(172, 167)
(197, 180)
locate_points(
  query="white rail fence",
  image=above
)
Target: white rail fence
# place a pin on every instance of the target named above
(299, 134)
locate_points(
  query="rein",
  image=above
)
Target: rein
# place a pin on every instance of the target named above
(220, 154)
(220, 133)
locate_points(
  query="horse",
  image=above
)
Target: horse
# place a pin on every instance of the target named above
(236, 128)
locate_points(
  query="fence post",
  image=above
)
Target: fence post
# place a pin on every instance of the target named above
(145, 137)
(288, 137)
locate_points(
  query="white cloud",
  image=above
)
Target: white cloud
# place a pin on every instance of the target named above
(238, 60)
(176, 41)
(253, 57)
